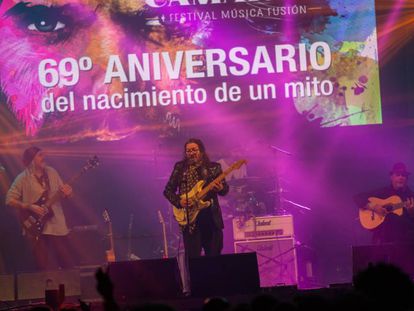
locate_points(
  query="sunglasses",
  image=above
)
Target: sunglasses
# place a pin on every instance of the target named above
(192, 150)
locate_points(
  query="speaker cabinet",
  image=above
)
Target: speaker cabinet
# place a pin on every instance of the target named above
(134, 280)
(276, 259)
(224, 275)
(7, 287)
(33, 285)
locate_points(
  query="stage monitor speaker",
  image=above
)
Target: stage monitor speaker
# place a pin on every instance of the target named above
(7, 287)
(32, 285)
(88, 283)
(400, 255)
(276, 260)
(156, 278)
(224, 275)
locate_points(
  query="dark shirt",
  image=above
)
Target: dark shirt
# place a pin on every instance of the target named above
(176, 185)
(394, 229)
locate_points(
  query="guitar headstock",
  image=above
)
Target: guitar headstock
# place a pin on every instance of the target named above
(91, 163)
(105, 216)
(238, 164)
(160, 217)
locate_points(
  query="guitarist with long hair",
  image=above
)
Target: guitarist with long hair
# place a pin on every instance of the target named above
(37, 183)
(206, 230)
(389, 211)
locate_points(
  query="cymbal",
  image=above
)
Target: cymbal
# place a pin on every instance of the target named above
(277, 191)
(237, 187)
(273, 192)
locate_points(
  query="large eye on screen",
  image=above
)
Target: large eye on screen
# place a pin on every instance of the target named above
(40, 18)
(46, 24)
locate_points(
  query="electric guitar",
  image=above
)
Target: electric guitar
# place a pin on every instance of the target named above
(197, 194)
(32, 223)
(371, 219)
(164, 234)
(110, 253)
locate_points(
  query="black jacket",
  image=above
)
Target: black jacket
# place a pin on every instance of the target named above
(175, 184)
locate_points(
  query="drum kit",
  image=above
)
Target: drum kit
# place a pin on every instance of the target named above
(250, 196)
(266, 194)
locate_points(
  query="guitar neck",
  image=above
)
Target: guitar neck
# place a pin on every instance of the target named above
(111, 236)
(164, 233)
(58, 195)
(217, 179)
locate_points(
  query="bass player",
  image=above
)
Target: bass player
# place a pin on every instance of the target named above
(393, 206)
(206, 231)
(51, 247)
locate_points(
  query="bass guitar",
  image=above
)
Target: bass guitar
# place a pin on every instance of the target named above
(32, 223)
(197, 194)
(374, 214)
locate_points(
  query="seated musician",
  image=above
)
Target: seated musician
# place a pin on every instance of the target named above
(396, 227)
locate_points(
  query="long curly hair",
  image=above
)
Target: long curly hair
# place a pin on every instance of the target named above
(200, 144)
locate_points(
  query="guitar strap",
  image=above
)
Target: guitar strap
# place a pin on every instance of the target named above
(192, 178)
(44, 182)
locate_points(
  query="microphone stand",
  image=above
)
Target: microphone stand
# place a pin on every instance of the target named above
(186, 278)
(187, 207)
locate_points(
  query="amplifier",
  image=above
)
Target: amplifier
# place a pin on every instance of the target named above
(229, 274)
(262, 227)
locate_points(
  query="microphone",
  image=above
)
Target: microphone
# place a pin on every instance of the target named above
(204, 173)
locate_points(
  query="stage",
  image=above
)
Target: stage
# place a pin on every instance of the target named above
(246, 147)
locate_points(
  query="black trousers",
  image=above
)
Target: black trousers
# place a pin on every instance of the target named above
(394, 229)
(205, 236)
(53, 252)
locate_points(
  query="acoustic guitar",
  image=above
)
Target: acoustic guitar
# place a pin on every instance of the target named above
(371, 218)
